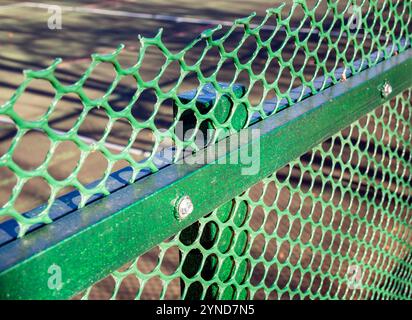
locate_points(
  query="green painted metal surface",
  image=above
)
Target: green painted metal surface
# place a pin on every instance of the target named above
(325, 226)
(334, 223)
(325, 43)
(89, 245)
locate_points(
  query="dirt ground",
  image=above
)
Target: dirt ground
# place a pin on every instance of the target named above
(29, 44)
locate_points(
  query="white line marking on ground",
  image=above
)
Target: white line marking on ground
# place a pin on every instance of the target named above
(149, 16)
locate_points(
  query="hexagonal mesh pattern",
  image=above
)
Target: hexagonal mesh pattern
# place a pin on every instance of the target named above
(335, 223)
(288, 49)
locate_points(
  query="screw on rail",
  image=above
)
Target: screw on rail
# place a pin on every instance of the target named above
(386, 89)
(184, 207)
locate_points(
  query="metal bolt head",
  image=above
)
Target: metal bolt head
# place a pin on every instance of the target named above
(386, 89)
(184, 207)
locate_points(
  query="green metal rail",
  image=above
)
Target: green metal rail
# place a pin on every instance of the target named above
(91, 242)
(322, 211)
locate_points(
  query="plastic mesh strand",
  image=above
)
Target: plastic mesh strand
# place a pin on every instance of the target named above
(306, 42)
(333, 224)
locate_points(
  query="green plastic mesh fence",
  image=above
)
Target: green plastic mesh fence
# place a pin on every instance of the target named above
(333, 224)
(286, 50)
